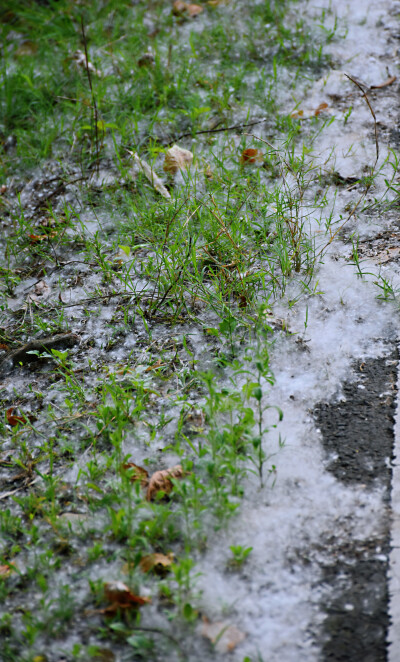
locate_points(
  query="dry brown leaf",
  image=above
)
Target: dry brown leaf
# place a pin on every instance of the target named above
(27, 47)
(158, 563)
(37, 238)
(154, 179)
(194, 10)
(322, 106)
(225, 637)
(252, 156)
(185, 9)
(208, 173)
(179, 7)
(121, 597)
(308, 114)
(243, 301)
(177, 158)
(146, 60)
(137, 473)
(387, 254)
(6, 570)
(14, 420)
(42, 289)
(160, 481)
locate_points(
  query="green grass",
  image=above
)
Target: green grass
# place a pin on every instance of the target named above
(171, 299)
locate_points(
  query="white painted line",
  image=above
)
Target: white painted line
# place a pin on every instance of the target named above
(394, 566)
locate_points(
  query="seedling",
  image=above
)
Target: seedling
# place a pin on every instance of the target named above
(239, 556)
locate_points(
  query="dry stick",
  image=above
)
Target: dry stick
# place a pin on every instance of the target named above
(4, 495)
(386, 83)
(95, 114)
(98, 298)
(373, 115)
(361, 198)
(58, 190)
(226, 128)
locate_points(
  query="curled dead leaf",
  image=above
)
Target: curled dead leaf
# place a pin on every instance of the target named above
(160, 481)
(321, 107)
(194, 10)
(42, 289)
(38, 238)
(146, 60)
(35, 238)
(387, 254)
(6, 570)
(224, 636)
(185, 9)
(177, 158)
(121, 597)
(243, 301)
(252, 156)
(157, 563)
(15, 420)
(179, 7)
(27, 47)
(208, 173)
(308, 114)
(137, 473)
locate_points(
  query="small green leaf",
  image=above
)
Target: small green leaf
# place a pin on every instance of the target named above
(210, 331)
(95, 487)
(257, 393)
(126, 249)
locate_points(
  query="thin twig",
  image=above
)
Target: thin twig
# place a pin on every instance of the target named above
(226, 128)
(361, 198)
(353, 80)
(100, 297)
(59, 189)
(95, 113)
